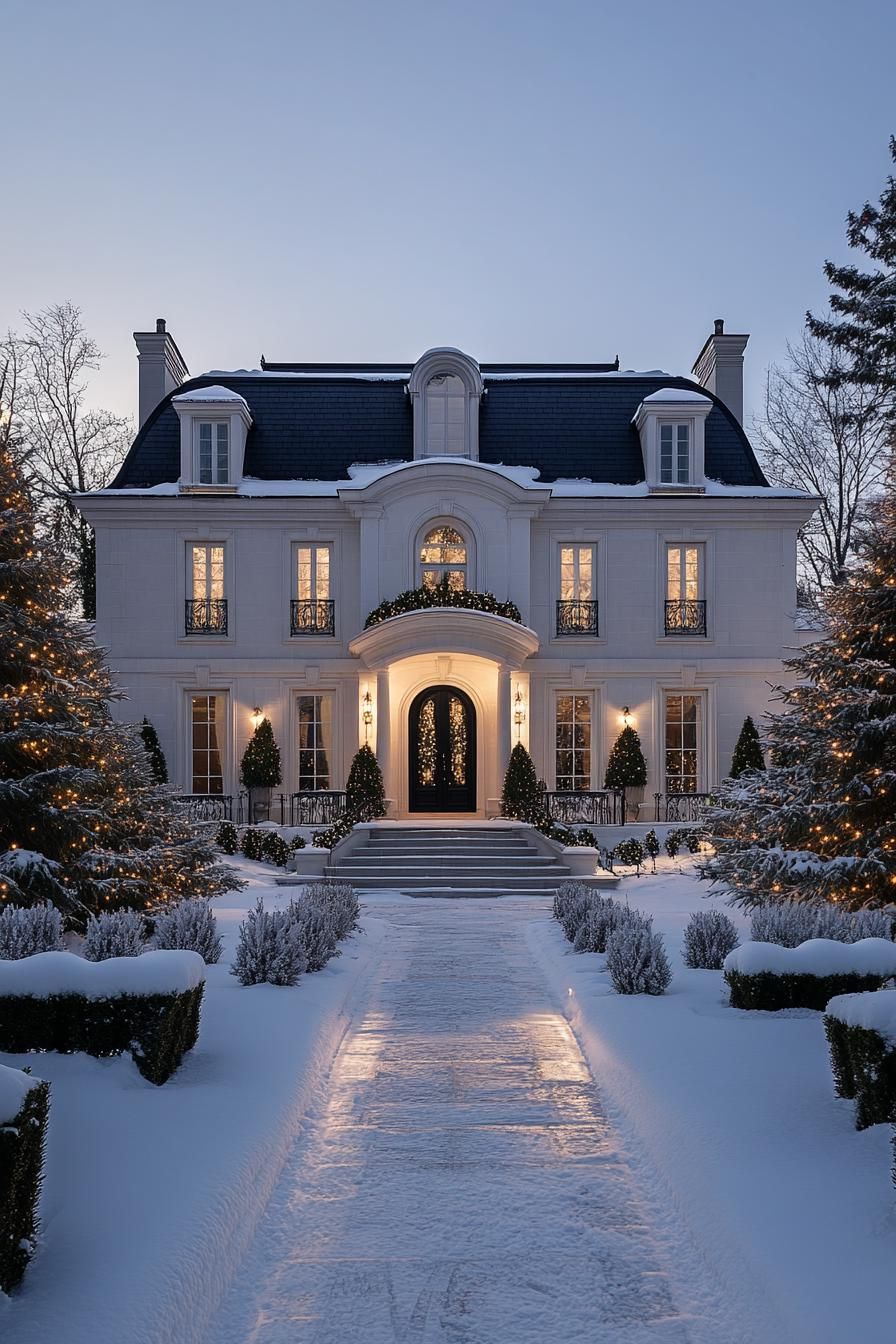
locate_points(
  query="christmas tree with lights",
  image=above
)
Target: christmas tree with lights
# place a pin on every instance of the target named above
(747, 751)
(157, 763)
(521, 796)
(365, 791)
(819, 824)
(83, 824)
(626, 768)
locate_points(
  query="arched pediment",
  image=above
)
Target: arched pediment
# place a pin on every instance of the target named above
(445, 360)
(445, 630)
(445, 388)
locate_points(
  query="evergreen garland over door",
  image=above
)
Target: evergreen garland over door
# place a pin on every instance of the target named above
(442, 751)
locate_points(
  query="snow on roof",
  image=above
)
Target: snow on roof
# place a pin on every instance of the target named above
(307, 374)
(678, 394)
(14, 1088)
(214, 393)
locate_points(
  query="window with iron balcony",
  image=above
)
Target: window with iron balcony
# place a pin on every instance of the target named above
(577, 610)
(312, 610)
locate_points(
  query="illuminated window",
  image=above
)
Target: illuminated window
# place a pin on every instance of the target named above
(443, 555)
(572, 727)
(684, 742)
(315, 745)
(206, 572)
(207, 729)
(312, 573)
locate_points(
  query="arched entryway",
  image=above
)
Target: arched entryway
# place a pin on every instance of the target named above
(442, 751)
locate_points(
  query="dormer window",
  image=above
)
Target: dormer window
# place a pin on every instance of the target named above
(445, 389)
(212, 448)
(675, 454)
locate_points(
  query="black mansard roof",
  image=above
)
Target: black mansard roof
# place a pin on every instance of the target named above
(313, 421)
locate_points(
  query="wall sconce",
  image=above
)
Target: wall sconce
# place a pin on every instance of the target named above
(519, 712)
(367, 714)
(626, 715)
(257, 715)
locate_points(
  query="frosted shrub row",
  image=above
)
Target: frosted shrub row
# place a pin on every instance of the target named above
(636, 957)
(276, 946)
(189, 926)
(790, 923)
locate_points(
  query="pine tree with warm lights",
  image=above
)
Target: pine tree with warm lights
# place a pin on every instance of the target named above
(365, 791)
(819, 824)
(260, 768)
(157, 763)
(521, 796)
(626, 768)
(82, 823)
(747, 751)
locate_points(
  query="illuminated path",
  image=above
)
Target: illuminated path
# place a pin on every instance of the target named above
(460, 1183)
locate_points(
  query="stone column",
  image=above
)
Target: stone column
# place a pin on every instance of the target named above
(384, 734)
(504, 717)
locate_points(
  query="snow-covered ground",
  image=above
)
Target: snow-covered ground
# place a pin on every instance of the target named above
(152, 1194)
(408, 1146)
(731, 1117)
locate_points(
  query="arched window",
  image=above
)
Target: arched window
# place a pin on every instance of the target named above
(443, 554)
(446, 416)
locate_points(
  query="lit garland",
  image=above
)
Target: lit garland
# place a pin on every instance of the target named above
(441, 595)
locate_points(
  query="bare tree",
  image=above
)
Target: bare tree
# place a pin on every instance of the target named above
(829, 440)
(69, 447)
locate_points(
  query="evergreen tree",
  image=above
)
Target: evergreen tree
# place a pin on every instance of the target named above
(157, 762)
(365, 791)
(82, 823)
(521, 795)
(260, 768)
(747, 751)
(819, 824)
(862, 325)
(626, 768)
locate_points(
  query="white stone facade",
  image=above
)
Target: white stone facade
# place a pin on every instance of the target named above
(723, 555)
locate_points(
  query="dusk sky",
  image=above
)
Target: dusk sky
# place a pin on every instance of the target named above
(530, 181)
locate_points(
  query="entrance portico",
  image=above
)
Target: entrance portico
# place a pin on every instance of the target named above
(478, 655)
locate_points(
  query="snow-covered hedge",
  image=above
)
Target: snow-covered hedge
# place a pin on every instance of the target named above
(766, 975)
(861, 1031)
(148, 1005)
(24, 1103)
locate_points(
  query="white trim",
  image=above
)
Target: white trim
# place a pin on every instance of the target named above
(191, 412)
(446, 361)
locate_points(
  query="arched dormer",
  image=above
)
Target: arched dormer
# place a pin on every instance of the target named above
(445, 388)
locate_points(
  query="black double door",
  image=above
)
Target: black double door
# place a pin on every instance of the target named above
(442, 751)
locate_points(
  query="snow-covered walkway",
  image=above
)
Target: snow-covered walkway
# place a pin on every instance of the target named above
(458, 1181)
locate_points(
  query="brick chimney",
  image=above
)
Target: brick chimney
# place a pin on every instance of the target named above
(161, 367)
(719, 367)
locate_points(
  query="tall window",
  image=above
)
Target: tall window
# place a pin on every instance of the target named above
(576, 607)
(573, 742)
(207, 729)
(684, 742)
(315, 715)
(675, 454)
(443, 555)
(446, 416)
(685, 604)
(312, 573)
(212, 448)
(206, 604)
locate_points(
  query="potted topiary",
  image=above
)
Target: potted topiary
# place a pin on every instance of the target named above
(365, 792)
(521, 797)
(260, 770)
(627, 770)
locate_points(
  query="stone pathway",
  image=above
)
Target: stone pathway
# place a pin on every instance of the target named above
(459, 1182)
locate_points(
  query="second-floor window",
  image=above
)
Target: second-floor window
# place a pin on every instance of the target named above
(312, 607)
(443, 555)
(675, 454)
(685, 605)
(212, 450)
(577, 604)
(206, 603)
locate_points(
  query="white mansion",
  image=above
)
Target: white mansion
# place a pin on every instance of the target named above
(645, 569)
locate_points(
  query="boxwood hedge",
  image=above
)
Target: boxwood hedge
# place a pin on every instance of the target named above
(22, 1141)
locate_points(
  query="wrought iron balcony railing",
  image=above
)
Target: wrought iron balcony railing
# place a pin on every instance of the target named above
(319, 807)
(597, 807)
(682, 806)
(686, 618)
(578, 618)
(205, 807)
(206, 616)
(314, 617)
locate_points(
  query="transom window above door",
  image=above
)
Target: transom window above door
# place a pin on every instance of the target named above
(443, 556)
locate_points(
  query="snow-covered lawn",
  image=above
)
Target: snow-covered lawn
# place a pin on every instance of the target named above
(732, 1119)
(153, 1193)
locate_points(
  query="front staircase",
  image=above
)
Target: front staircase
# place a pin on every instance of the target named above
(457, 860)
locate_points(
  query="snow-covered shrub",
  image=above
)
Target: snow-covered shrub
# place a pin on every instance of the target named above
(789, 923)
(674, 841)
(636, 958)
(28, 929)
(148, 1005)
(570, 905)
(253, 842)
(297, 842)
(861, 1032)
(870, 924)
(629, 852)
(341, 899)
(114, 933)
(316, 925)
(709, 936)
(24, 1104)
(694, 838)
(771, 977)
(227, 838)
(269, 948)
(275, 849)
(600, 915)
(192, 926)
